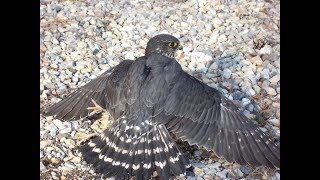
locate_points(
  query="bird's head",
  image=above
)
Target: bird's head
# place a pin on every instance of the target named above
(164, 44)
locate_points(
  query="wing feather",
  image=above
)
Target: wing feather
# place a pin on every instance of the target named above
(203, 116)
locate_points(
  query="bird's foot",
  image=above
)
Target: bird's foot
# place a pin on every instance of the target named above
(83, 137)
(96, 109)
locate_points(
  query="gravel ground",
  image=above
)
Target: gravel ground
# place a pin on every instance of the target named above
(232, 45)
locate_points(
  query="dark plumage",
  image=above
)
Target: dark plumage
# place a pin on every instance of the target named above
(152, 96)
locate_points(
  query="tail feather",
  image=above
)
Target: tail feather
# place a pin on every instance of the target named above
(115, 154)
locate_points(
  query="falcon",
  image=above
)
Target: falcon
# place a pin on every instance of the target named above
(151, 97)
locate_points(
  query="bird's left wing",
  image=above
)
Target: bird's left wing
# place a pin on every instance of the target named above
(201, 115)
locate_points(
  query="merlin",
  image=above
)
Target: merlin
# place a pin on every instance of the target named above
(151, 97)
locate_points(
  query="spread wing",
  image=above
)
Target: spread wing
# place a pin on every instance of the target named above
(201, 115)
(75, 105)
(206, 118)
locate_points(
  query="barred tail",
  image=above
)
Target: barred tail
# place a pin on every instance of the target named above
(114, 154)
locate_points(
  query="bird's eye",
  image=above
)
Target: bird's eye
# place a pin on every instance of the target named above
(173, 44)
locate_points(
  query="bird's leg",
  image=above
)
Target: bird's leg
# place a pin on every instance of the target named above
(95, 110)
(99, 125)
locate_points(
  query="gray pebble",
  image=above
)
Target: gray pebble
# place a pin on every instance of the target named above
(250, 108)
(278, 175)
(69, 165)
(199, 165)
(222, 174)
(52, 128)
(208, 177)
(65, 130)
(191, 178)
(275, 78)
(42, 167)
(150, 31)
(265, 73)
(41, 154)
(245, 101)
(245, 170)
(227, 73)
(214, 165)
(58, 123)
(275, 122)
(103, 61)
(251, 92)
(267, 49)
(239, 173)
(210, 171)
(197, 153)
(270, 91)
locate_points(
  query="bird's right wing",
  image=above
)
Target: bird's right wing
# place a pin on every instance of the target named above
(75, 105)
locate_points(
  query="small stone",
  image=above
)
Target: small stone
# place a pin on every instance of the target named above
(76, 160)
(250, 108)
(69, 165)
(256, 89)
(211, 171)
(58, 123)
(198, 171)
(61, 15)
(42, 167)
(251, 92)
(267, 49)
(222, 38)
(103, 61)
(52, 128)
(45, 143)
(214, 165)
(275, 79)
(184, 24)
(54, 160)
(213, 66)
(245, 101)
(191, 178)
(151, 31)
(82, 45)
(197, 153)
(275, 122)
(245, 170)
(239, 173)
(198, 165)
(227, 73)
(270, 91)
(129, 55)
(70, 143)
(256, 60)
(265, 73)
(41, 154)
(276, 105)
(222, 174)
(217, 22)
(65, 130)
(202, 68)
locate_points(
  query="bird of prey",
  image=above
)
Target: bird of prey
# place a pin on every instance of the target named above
(150, 97)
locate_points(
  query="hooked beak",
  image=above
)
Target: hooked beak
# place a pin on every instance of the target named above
(180, 47)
